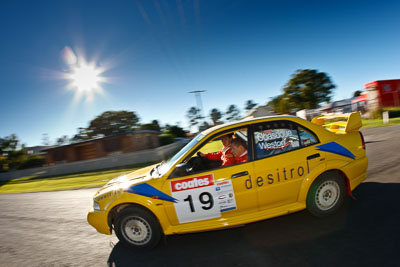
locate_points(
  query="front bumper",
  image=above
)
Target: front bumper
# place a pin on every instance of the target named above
(98, 219)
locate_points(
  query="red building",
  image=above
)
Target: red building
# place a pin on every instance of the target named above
(383, 94)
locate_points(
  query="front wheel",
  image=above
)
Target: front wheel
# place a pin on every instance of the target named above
(326, 194)
(136, 227)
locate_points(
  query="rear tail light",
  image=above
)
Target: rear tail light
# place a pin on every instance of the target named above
(362, 140)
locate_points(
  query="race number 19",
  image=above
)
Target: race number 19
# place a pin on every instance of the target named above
(209, 203)
(196, 199)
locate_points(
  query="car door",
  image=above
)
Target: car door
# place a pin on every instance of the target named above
(215, 194)
(282, 161)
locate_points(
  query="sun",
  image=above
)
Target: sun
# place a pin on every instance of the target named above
(84, 78)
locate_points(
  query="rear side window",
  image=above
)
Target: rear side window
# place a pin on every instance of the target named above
(306, 137)
(272, 138)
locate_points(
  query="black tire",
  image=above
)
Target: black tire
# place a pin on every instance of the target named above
(326, 194)
(137, 227)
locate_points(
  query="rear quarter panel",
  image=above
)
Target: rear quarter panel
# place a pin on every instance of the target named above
(353, 168)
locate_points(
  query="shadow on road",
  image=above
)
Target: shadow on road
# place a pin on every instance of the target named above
(371, 142)
(365, 232)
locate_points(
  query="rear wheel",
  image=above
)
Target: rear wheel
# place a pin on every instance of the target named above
(326, 194)
(136, 227)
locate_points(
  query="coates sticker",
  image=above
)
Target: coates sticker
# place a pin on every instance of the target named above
(201, 198)
(192, 183)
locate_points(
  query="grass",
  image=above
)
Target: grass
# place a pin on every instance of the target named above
(63, 182)
(379, 123)
(78, 180)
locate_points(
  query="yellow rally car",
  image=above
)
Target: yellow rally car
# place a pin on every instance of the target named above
(292, 165)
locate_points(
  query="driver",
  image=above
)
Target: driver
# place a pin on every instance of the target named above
(225, 154)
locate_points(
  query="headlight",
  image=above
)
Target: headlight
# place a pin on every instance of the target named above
(96, 205)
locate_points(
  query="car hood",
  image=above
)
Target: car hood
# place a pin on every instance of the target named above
(139, 173)
(121, 183)
(135, 177)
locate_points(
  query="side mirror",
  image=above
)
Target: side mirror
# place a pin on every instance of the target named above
(180, 170)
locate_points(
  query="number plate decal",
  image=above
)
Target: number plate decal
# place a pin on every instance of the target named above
(200, 198)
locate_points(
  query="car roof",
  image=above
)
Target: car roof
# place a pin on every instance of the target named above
(246, 122)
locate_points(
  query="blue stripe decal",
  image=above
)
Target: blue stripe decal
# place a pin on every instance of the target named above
(335, 148)
(149, 191)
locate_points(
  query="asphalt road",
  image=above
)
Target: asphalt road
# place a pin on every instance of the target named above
(50, 229)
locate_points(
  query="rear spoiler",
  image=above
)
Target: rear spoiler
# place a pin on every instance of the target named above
(340, 123)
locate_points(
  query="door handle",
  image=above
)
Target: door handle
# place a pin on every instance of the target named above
(239, 174)
(314, 156)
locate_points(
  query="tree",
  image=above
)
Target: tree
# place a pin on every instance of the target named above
(305, 90)
(194, 116)
(175, 130)
(8, 145)
(250, 105)
(112, 122)
(308, 88)
(357, 93)
(82, 135)
(279, 104)
(14, 156)
(154, 126)
(215, 115)
(62, 140)
(233, 113)
(171, 132)
(10, 156)
(204, 126)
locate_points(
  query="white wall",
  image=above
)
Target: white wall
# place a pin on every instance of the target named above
(151, 155)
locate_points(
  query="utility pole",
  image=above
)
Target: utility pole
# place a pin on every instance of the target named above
(198, 100)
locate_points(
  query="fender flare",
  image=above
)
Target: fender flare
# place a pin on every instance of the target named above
(151, 205)
(331, 165)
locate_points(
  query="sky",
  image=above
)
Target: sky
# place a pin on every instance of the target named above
(152, 53)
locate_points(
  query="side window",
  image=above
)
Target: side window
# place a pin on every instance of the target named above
(220, 151)
(276, 137)
(306, 137)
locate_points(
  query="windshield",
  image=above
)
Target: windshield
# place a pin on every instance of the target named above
(165, 166)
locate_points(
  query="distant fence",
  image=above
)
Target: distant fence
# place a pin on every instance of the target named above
(112, 161)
